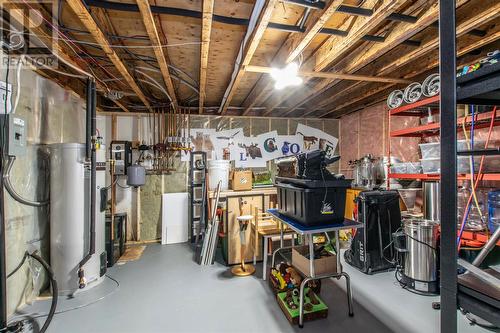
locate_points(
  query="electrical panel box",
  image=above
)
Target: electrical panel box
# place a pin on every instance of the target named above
(121, 152)
(16, 129)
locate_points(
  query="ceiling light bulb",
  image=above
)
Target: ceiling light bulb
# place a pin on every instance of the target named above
(292, 68)
(275, 73)
(287, 76)
(279, 85)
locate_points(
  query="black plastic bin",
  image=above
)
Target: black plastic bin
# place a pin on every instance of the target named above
(305, 204)
(115, 248)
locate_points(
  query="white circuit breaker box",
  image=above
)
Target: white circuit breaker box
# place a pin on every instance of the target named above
(16, 133)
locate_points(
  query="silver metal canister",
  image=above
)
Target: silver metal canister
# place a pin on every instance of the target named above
(432, 208)
(136, 175)
(421, 242)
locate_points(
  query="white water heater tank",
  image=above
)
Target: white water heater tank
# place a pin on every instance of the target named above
(69, 216)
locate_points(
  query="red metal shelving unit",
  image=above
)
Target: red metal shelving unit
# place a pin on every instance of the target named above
(419, 109)
(482, 120)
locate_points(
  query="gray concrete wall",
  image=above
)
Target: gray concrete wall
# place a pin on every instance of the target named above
(53, 115)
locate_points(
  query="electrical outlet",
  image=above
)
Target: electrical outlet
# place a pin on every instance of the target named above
(5, 94)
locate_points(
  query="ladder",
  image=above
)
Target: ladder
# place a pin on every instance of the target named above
(197, 195)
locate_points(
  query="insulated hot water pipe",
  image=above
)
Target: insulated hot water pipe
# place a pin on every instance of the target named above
(90, 154)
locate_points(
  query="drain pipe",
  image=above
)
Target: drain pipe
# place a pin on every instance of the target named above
(306, 14)
(304, 17)
(257, 9)
(90, 155)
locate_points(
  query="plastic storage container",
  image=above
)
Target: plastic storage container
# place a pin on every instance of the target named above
(430, 150)
(313, 206)
(433, 149)
(493, 210)
(413, 167)
(398, 168)
(406, 167)
(433, 165)
(491, 164)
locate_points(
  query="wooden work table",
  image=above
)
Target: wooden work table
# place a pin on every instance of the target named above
(261, 198)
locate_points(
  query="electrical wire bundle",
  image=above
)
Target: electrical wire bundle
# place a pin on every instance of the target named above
(16, 326)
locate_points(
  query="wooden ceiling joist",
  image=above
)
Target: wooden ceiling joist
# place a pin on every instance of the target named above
(206, 29)
(335, 47)
(395, 38)
(251, 46)
(401, 33)
(161, 55)
(492, 36)
(490, 10)
(300, 42)
(297, 43)
(348, 61)
(330, 75)
(487, 14)
(62, 52)
(87, 20)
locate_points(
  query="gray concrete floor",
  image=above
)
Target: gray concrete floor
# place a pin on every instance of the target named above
(166, 291)
(400, 309)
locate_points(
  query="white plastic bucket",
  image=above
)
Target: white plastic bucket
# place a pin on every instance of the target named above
(218, 170)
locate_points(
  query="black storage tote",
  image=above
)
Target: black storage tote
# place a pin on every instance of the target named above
(314, 205)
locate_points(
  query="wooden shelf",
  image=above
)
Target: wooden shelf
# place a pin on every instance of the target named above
(423, 176)
(481, 121)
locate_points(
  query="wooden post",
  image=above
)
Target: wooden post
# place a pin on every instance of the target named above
(256, 233)
(112, 172)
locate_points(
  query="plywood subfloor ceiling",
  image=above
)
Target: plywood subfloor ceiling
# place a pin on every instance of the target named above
(184, 53)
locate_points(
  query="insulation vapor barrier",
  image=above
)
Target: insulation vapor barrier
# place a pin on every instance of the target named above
(54, 115)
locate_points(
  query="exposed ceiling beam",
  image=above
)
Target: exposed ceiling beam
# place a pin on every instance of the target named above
(478, 18)
(336, 47)
(46, 38)
(461, 51)
(291, 49)
(251, 46)
(300, 42)
(331, 75)
(160, 53)
(206, 29)
(88, 21)
(123, 107)
(484, 14)
(395, 38)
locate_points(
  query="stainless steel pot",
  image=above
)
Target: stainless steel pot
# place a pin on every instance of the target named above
(421, 244)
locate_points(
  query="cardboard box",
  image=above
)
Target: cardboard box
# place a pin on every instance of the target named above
(241, 180)
(325, 265)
